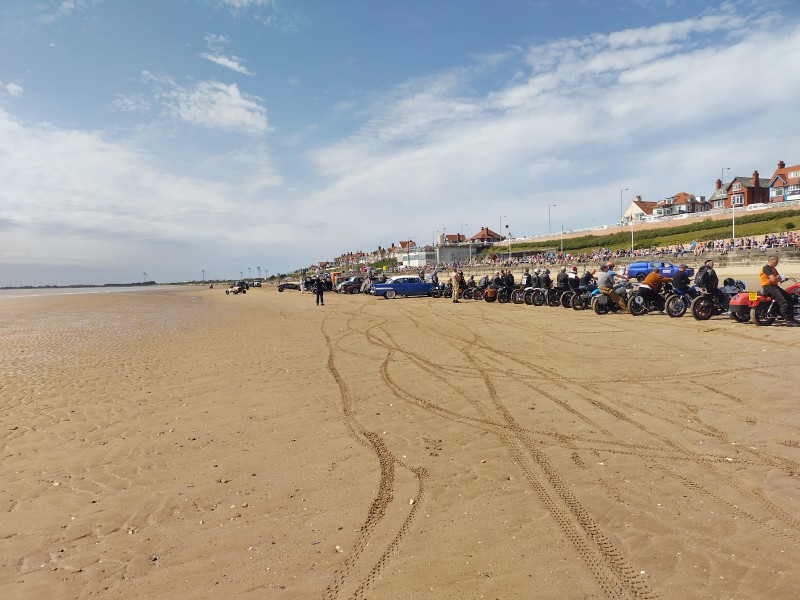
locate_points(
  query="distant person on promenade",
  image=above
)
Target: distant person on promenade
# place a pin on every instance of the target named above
(770, 280)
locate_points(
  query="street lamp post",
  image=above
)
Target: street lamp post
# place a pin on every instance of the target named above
(562, 238)
(501, 228)
(204, 275)
(621, 207)
(733, 209)
(631, 236)
(549, 228)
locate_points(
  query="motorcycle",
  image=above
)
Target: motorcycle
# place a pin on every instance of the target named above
(582, 299)
(678, 301)
(536, 296)
(765, 311)
(641, 303)
(603, 304)
(707, 305)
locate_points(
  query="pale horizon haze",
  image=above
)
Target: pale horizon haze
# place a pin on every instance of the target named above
(191, 138)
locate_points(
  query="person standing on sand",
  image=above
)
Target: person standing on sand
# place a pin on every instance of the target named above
(456, 279)
(319, 284)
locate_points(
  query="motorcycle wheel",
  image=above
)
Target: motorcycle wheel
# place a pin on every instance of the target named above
(675, 306)
(761, 315)
(566, 298)
(477, 294)
(528, 297)
(503, 296)
(601, 308)
(467, 294)
(702, 308)
(553, 298)
(518, 296)
(740, 318)
(637, 306)
(448, 294)
(577, 302)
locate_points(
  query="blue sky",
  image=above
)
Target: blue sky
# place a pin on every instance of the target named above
(176, 136)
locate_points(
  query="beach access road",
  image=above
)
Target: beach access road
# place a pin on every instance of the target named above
(269, 448)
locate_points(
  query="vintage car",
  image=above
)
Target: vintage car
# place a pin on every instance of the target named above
(402, 285)
(288, 285)
(639, 270)
(350, 286)
(235, 288)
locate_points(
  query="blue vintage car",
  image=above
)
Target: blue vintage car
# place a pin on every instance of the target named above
(639, 270)
(401, 285)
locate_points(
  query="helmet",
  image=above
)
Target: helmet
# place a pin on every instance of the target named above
(546, 272)
(573, 269)
(729, 281)
(537, 270)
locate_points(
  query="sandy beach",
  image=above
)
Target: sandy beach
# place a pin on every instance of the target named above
(188, 444)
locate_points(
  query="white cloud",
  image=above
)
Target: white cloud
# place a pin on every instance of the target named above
(215, 44)
(11, 89)
(219, 106)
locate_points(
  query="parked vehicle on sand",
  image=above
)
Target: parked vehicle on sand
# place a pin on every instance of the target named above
(764, 310)
(639, 270)
(237, 288)
(402, 285)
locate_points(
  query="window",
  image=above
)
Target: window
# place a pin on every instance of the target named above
(794, 174)
(737, 200)
(719, 203)
(776, 191)
(737, 187)
(793, 189)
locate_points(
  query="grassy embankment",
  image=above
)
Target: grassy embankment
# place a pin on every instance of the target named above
(746, 226)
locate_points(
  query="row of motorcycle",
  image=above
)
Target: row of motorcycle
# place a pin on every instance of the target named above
(701, 303)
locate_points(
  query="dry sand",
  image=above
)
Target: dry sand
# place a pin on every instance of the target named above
(189, 444)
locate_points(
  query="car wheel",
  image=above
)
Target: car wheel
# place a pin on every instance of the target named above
(640, 278)
(390, 294)
(280, 289)
(227, 292)
(353, 290)
(761, 315)
(702, 308)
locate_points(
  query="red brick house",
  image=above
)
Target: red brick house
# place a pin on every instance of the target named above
(745, 191)
(486, 236)
(785, 183)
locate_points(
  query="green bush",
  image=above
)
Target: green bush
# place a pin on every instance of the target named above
(789, 225)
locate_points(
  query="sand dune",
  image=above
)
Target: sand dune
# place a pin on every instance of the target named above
(195, 445)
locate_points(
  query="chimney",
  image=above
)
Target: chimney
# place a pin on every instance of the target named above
(719, 184)
(755, 179)
(781, 164)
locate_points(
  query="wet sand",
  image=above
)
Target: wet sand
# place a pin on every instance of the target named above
(189, 444)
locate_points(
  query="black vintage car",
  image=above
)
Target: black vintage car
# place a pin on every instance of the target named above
(288, 285)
